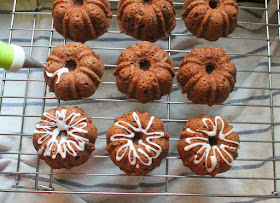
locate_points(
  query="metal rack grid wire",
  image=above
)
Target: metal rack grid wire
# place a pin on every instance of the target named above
(38, 188)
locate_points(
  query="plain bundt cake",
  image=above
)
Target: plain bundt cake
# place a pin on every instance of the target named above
(81, 20)
(208, 145)
(147, 20)
(73, 71)
(144, 72)
(207, 75)
(137, 142)
(210, 19)
(64, 137)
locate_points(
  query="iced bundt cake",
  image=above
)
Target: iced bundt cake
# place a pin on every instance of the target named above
(208, 145)
(81, 20)
(144, 72)
(73, 71)
(147, 20)
(137, 142)
(210, 19)
(64, 137)
(207, 75)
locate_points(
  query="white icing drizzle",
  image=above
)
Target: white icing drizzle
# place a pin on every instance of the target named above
(58, 73)
(207, 147)
(129, 145)
(63, 145)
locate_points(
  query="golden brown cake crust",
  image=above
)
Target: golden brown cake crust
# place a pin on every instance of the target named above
(208, 145)
(144, 72)
(65, 152)
(207, 75)
(146, 20)
(73, 71)
(210, 19)
(137, 142)
(81, 20)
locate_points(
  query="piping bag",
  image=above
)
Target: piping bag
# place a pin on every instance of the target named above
(13, 58)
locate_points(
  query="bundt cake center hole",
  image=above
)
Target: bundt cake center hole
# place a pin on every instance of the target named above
(62, 134)
(210, 68)
(147, 1)
(78, 2)
(213, 141)
(71, 65)
(137, 137)
(145, 65)
(213, 4)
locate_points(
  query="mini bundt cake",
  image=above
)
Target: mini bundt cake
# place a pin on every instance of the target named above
(210, 19)
(81, 20)
(73, 71)
(137, 142)
(144, 72)
(208, 145)
(146, 20)
(65, 137)
(207, 75)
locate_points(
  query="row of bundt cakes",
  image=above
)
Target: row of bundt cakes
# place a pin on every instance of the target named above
(137, 142)
(147, 20)
(144, 72)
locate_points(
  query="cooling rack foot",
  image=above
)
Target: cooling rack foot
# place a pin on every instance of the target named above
(275, 193)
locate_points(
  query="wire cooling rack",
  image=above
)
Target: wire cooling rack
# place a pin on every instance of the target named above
(169, 120)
